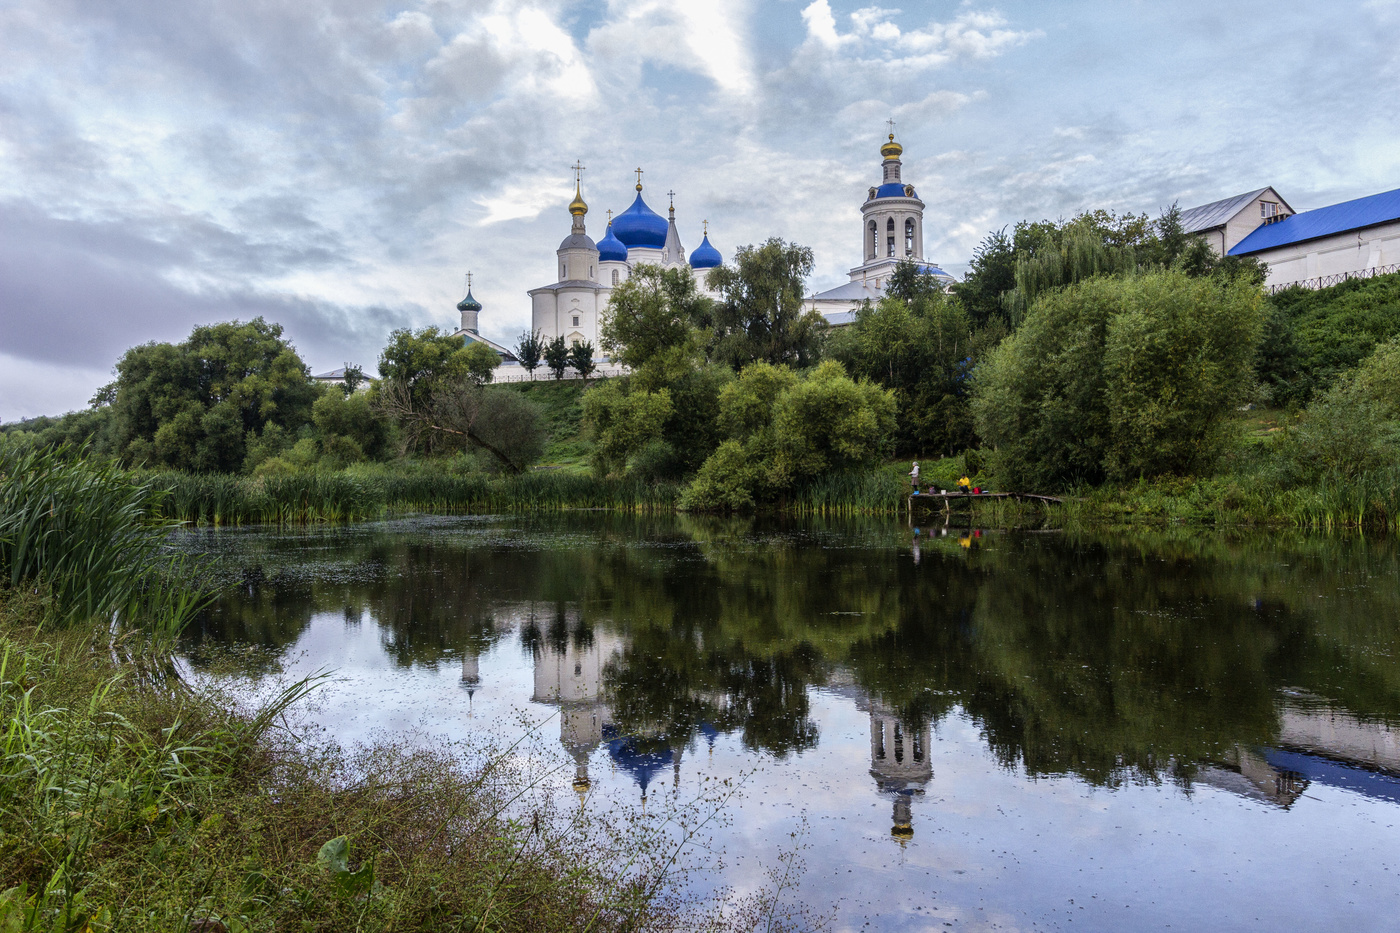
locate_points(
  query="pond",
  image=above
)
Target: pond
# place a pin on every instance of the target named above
(966, 728)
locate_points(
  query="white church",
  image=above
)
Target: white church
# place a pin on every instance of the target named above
(892, 231)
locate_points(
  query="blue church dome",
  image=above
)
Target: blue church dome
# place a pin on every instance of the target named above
(705, 255)
(639, 225)
(611, 249)
(891, 190)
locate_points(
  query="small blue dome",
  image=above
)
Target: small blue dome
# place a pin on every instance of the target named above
(705, 256)
(611, 249)
(639, 225)
(892, 190)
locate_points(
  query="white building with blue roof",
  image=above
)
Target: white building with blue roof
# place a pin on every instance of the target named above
(892, 231)
(573, 306)
(1316, 248)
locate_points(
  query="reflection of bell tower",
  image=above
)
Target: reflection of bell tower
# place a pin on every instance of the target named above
(899, 763)
(572, 679)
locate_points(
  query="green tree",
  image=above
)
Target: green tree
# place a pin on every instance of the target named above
(433, 389)
(581, 359)
(651, 320)
(421, 361)
(991, 273)
(556, 357)
(624, 420)
(350, 429)
(1117, 378)
(759, 317)
(193, 405)
(784, 429)
(481, 362)
(530, 350)
(1353, 428)
(922, 349)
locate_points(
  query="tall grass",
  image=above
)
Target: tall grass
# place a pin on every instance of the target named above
(879, 492)
(150, 807)
(83, 529)
(311, 498)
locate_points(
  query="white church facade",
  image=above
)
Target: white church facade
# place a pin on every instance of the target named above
(573, 306)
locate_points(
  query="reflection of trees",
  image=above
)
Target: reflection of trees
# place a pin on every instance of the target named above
(1106, 656)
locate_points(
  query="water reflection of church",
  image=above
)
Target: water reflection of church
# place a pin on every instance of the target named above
(1316, 744)
(572, 677)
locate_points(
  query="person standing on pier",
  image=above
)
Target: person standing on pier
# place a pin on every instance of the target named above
(914, 477)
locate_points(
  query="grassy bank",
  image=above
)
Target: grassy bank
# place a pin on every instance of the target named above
(131, 800)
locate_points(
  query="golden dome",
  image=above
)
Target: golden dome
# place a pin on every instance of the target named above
(577, 207)
(891, 149)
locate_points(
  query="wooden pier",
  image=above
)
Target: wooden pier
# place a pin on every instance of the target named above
(926, 501)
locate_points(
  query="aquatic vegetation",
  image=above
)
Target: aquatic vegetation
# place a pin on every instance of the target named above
(86, 533)
(322, 497)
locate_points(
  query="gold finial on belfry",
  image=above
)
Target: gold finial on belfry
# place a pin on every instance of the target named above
(577, 207)
(639, 178)
(891, 149)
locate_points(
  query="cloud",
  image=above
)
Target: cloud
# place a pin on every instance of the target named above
(700, 36)
(338, 164)
(974, 34)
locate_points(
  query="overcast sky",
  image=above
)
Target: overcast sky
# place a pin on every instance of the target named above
(337, 165)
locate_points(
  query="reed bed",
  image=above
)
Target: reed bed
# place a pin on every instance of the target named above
(325, 497)
(880, 492)
(86, 533)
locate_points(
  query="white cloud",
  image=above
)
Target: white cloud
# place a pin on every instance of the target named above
(523, 200)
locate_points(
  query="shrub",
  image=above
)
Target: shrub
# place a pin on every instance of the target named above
(1118, 378)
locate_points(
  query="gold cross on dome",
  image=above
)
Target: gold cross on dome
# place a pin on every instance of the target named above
(639, 178)
(890, 121)
(469, 281)
(707, 227)
(610, 217)
(578, 168)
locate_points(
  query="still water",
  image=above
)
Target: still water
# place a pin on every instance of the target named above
(967, 729)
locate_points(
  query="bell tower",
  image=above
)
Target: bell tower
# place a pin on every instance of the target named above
(892, 220)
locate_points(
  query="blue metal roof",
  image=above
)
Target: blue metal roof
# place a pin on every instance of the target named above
(1325, 221)
(639, 225)
(705, 256)
(611, 249)
(892, 190)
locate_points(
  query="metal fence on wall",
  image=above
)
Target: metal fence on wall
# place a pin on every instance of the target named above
(1326, 280)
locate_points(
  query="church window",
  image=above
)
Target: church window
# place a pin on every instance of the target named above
(889, 247)
(561, 272)
(873, 245)
(889, 241)
(590, 272)
(576, 320)
(909, 237)
(614, 276)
